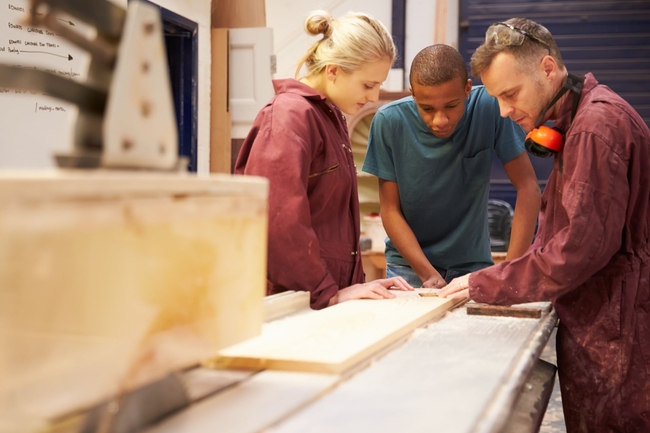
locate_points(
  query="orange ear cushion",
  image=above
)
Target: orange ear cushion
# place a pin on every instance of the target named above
(547, 137)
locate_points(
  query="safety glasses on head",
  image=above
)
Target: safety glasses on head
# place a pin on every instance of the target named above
(508, 35)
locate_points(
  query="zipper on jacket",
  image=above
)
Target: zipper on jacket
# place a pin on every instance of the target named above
(328, 170)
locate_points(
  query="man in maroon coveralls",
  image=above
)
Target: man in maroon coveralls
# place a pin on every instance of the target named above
(591, 256)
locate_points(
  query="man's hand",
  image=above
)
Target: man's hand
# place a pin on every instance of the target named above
(457, 289)
(434, 281)
(377, 289)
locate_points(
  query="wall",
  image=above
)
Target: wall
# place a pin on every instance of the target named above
(34, 125)
(24, 145)
(423, 17)
(287, 20)
(429, 22)
(30, 135)
(608, 38)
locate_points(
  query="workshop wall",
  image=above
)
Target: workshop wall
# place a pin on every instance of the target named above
(290, 41)
(427, 22)
(33, 125)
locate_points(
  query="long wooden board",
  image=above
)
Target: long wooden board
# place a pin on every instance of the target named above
(334, 339)
(284, 303)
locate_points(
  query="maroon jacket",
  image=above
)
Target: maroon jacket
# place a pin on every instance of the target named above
(301, 144)
(591, 258)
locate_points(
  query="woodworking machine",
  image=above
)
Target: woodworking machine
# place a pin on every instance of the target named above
(118, 267)
(461, 372)
(126, 113)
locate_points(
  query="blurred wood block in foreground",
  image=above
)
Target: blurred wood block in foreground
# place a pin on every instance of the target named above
(113, 280)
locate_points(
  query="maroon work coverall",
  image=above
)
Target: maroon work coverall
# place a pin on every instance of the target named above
(592, 260)
(301, 144)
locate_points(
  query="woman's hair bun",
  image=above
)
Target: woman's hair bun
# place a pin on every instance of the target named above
(318, 22)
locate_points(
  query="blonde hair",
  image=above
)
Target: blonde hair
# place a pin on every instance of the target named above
(348, 42)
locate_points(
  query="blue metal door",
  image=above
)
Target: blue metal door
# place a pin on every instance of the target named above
(181, 43)
(610, 38)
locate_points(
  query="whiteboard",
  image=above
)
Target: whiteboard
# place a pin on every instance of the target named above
(34, 125)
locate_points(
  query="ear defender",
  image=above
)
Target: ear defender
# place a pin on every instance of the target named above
(543, 141)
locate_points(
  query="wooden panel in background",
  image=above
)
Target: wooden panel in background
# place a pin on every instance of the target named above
(220, 147)
(238, 13)
(336, 338)
(374, 264)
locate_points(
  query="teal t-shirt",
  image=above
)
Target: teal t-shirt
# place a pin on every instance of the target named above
(443, 182)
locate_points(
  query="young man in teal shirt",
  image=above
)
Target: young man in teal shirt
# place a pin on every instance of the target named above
(432, 153)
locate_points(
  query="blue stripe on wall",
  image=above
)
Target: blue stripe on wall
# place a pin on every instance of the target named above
(398, 29)
(610, 38)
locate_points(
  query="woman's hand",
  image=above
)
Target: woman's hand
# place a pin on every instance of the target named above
(377, 289)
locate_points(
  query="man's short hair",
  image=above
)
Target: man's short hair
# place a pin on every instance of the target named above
(437, 64)
(527, 54)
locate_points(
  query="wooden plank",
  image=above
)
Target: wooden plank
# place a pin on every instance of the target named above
(17, 186)
(503, 311)
(238, 13)
(220, 145)
(284, 303)
(430, 293)
(333, 339)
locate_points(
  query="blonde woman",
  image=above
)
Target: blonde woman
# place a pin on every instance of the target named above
(300, 142)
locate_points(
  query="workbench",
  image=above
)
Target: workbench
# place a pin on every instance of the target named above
(460, 373)
(90, 252)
